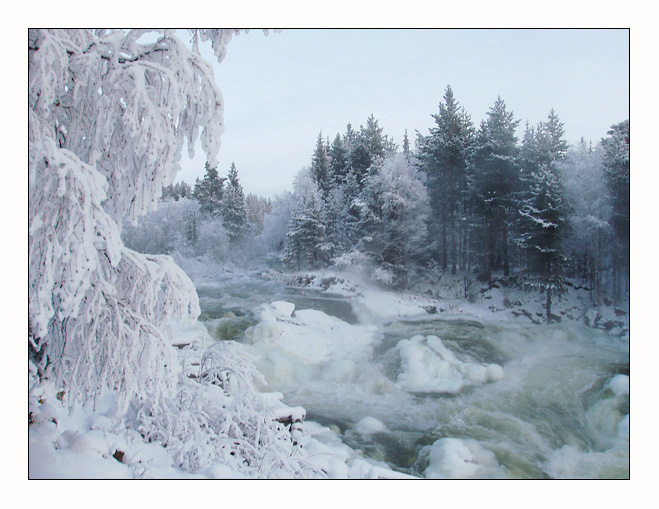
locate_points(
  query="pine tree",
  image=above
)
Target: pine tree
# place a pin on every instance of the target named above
(257, 208)
(191, 228)
(209, 191)
(443, 158)
(495, 182)
(234, 210)
(542, 211)
(176, 191)
(616, 169)
(340, 223)
(359, 162)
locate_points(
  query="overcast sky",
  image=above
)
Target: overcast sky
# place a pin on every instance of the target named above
(280, 90)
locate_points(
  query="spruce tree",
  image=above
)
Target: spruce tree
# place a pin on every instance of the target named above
(305, 237)
(406, 146)
(234, 210)
(191, 228)
(372, 138)
(209, 191)
(338, 157)
(359, 162)
(320, 168)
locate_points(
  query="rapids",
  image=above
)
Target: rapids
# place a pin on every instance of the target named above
(437, 396)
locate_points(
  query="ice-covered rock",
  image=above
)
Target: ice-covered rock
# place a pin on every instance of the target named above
(369, 425)
(619, 384)
(427, 365)
(454, 458)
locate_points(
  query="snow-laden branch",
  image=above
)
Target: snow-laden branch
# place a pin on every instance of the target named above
(108, 117)
(97, 306)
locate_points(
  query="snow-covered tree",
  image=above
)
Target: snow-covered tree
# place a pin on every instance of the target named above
(373, 139)
(177, 191)
(233, 208)
(542, 209)
(443, 157)
(257, 208)
(109, 113)
(320, 169)
(616, 166)
(589, 215)
(276, 221)
(305, 240)
(406, 146)
(394, 212)
(340, 223)
(210, 191)
(338, 156)
(164, 230)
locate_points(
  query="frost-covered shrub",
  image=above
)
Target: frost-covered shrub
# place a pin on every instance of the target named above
(163, 230)
(212, 240)
(354, 260)
(219, 417)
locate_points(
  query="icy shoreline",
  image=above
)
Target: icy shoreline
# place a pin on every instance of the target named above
(501, 300)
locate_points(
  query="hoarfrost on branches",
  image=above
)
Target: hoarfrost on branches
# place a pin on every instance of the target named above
(108, 118)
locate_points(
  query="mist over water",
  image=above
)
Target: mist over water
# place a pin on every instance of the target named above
(449, 397)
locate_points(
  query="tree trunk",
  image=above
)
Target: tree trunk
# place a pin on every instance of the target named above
(444, 246)
(548, 289)
(506, 267)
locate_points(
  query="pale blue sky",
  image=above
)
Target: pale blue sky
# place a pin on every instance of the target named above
(280, 90)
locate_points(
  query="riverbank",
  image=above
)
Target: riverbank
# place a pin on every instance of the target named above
(502, 299)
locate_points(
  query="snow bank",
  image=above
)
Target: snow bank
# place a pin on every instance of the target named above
(454, 458)
(428, 366)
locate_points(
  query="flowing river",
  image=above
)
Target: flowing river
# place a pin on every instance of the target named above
(516, 400)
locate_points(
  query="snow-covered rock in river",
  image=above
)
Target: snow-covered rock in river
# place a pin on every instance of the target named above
(428, 366)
